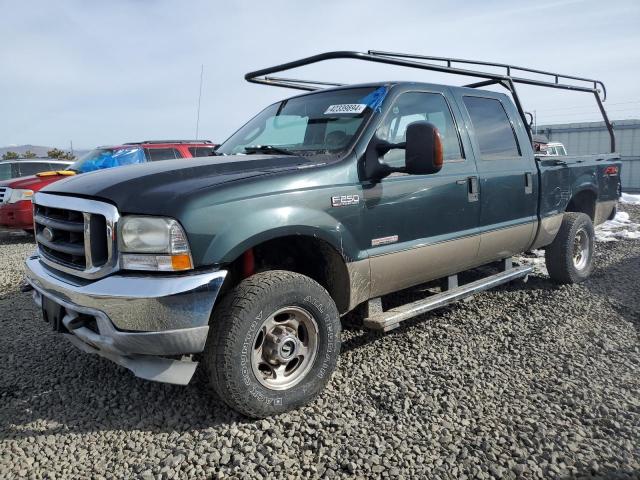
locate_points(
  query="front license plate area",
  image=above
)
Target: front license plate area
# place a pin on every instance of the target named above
(53, 313)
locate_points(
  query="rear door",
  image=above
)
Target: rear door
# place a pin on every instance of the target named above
(421, 226)
(508, 190)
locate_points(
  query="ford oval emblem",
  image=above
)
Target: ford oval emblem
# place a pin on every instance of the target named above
(47, 234)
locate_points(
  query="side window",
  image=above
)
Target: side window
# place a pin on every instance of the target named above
(493, 129)
(201, 151)
(155, 154)
(5, 171)
(419, 106)
(30, 168)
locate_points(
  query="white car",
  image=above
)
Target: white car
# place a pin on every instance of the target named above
(556, 149)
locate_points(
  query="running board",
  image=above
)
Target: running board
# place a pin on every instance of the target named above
(390, 319)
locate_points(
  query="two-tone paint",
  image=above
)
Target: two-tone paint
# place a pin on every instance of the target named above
(430, 225)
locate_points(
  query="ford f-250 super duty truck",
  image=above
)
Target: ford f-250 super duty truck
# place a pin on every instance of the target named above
(322, 203)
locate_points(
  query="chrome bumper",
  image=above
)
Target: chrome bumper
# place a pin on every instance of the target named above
(160, 315)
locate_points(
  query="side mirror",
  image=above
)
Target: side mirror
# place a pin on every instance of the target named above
(424, 152)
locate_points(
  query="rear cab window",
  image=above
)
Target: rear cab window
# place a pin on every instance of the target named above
(493, 130)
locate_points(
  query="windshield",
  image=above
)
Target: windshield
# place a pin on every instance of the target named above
(320, 125)
(102, 158)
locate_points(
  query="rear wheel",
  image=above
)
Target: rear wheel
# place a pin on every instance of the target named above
(273, 343)
(569, 258)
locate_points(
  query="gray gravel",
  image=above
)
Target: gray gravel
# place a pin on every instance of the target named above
(530, 380)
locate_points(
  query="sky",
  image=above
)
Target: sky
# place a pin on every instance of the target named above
(98, 73)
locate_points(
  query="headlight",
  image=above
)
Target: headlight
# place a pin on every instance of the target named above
(153, 243)
(18, 195)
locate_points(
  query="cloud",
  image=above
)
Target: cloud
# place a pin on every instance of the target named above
(108, 72)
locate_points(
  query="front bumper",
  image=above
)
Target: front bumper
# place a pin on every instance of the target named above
(134, 320)
(17, 215)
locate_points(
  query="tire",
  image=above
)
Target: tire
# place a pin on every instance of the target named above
(273, 343)
(569, 258)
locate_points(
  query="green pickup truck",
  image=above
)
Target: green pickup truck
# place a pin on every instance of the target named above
(320, 205)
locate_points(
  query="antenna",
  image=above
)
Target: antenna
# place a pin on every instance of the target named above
(199, 100)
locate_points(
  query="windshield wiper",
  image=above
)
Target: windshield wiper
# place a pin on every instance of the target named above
(267, 149)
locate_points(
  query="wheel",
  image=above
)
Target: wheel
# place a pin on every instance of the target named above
(569, 258)
(273, 343)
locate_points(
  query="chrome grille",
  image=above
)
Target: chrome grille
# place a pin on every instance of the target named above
(5, 193)
(60, 235)
(76, 235)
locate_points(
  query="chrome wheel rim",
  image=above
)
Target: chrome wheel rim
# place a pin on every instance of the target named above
(581, 249)
(284, 348)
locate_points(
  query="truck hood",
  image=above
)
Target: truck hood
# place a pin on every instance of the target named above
(148, 188)
(32, 182)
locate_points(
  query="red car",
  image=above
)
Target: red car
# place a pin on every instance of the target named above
(15, 194)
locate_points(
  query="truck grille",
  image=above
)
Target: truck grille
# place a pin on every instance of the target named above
(5, 193)
(75, 235)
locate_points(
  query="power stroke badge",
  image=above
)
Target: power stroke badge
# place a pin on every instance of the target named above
(344, 200)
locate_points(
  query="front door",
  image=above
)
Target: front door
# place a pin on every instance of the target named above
(421, 226)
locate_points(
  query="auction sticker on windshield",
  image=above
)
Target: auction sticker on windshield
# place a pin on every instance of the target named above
(346, 108)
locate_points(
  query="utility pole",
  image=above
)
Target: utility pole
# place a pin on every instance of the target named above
(199, 100)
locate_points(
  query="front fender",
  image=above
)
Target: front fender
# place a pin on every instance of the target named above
(258, 226)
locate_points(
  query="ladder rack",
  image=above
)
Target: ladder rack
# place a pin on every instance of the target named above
(447, 65)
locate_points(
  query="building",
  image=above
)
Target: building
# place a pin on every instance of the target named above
(593, 137)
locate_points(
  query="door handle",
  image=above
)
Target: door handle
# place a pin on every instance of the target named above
(472, 189)
(528, 183)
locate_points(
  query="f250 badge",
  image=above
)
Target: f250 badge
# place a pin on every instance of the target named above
(344, 200)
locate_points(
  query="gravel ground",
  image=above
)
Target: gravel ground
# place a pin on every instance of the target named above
(529, 380)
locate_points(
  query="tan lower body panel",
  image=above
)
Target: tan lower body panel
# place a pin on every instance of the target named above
(359, 281)
(505, 242)
(603, 210)
(549, 227)
(398, 270)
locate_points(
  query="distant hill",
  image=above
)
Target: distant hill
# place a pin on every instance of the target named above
(39, 150)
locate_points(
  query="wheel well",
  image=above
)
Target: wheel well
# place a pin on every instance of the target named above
(308, 256)
(584, 202)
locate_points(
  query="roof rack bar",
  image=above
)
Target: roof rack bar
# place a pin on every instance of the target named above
(307, 85)
(311, 82)
(506, 66)
(612, 136)
(411, 61)
(253, 76)
(168, 141)
(485, 83)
